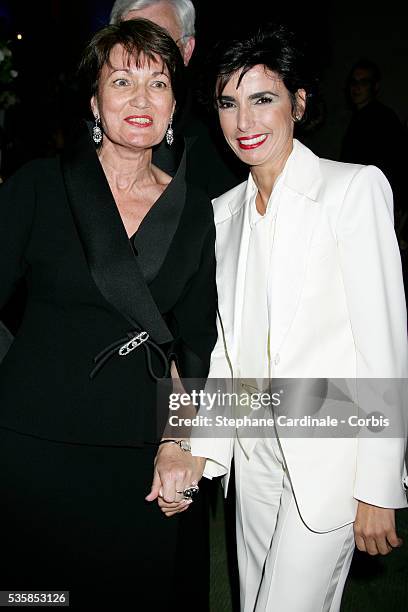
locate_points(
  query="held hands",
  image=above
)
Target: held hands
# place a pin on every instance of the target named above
(174, 470)
(374, 529)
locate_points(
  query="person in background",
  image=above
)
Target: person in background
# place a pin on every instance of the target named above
(208, 164)
(375, 135)
(309, 289)
(117, 256)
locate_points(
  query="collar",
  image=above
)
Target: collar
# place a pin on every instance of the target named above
(108, 251)
(300, 174)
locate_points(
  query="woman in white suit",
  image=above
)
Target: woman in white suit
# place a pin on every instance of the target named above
(310, 286)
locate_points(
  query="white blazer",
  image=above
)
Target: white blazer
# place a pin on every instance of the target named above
(338, 311)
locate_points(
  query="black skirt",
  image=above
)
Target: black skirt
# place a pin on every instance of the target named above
(74, 518)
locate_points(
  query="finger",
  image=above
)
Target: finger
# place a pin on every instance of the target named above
(178, 512)
(360, 544)
(393, 539)
(382, 545)
(371, 546)
(182, 482)
(171, 505)
(169, 487)
(156, 485)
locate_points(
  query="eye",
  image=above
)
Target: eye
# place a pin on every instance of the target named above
(159, 84)
(225, 105)
(121, 82)
(265, 100)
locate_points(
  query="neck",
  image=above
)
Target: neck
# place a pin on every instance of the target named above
(124, 168)
(265, 177)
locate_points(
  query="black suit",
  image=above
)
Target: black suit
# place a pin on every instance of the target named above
(76, 453)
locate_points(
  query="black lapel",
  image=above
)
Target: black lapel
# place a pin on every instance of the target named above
(156, 232)
(108, 251)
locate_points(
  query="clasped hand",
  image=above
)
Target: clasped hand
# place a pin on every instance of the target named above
(374, 529)
(174, 470)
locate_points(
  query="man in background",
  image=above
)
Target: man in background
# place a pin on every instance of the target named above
(375, 135)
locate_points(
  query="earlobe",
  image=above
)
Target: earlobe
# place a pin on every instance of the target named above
(94, 107)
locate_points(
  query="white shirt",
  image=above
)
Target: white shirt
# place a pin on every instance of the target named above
(253, 345)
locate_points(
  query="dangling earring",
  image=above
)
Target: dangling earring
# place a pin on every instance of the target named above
(97, 133)
(170, 133)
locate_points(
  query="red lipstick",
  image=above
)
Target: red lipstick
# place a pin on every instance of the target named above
(251, 142)
(140, 121)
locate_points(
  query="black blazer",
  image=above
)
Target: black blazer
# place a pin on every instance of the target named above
(88, 287)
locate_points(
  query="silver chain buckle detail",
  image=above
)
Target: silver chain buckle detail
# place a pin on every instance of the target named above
(133, 344)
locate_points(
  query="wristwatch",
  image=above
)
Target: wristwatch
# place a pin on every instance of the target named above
(183, 444)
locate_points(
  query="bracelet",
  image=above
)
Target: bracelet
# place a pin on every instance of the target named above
(183, 444)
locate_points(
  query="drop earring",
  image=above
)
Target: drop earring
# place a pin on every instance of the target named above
(170, 133)
(97, 134)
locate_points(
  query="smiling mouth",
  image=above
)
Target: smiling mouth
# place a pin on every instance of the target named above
(252, 142)
(141, 121)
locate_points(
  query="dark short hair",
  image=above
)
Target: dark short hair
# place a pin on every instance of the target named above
(273, 46)
(366, 64)
(140, 38)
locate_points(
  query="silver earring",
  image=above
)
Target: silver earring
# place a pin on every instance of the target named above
(97, 134)
(170, 133)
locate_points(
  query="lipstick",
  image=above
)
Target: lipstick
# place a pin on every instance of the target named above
(252, 142)
(140, 121)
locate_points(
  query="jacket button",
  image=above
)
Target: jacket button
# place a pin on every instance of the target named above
(276, 359)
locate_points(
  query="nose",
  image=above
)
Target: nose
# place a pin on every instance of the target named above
(139, 97)
(244, 118)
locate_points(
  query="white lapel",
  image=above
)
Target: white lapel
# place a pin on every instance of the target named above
(230, 213)
(297, 215)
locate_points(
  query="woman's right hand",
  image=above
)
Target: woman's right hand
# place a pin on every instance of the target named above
(174, 470)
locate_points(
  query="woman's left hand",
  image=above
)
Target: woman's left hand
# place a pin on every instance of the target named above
(174, 470)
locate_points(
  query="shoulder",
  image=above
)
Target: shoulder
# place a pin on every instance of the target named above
(348, 174)
(32, 173)
(339, 178)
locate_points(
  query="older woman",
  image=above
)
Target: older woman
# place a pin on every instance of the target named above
(117, 256)
(310, 286)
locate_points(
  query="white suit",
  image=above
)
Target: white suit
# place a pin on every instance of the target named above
(338, 311)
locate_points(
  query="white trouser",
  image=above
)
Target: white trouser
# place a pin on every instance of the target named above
(283, 566)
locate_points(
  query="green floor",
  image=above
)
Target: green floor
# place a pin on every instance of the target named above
(375, 584)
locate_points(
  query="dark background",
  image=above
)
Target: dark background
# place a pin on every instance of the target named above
(55, 31)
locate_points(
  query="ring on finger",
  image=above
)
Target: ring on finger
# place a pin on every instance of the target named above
(190, 492)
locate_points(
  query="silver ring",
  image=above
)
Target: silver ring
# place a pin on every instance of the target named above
(189, 492)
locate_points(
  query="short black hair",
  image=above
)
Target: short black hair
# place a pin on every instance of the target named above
(366, 64)
(140, 38)
(274, 46)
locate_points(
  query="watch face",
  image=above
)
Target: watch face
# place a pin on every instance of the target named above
(185, 445)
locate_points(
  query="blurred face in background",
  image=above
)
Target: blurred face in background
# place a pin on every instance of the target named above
(363, 88)
(163, 14)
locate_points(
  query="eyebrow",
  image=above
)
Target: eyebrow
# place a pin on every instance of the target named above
(261, 94)
(154, 74)
(253, 96)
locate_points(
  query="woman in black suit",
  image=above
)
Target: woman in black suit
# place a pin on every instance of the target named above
(118, 258)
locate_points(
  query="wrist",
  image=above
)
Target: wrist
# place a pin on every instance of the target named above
(182, 443)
